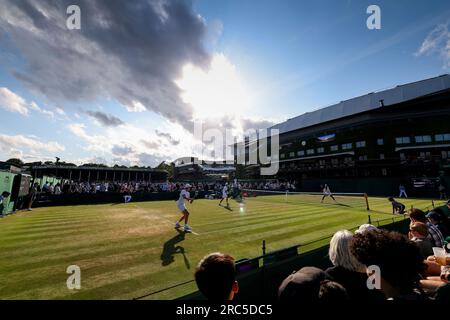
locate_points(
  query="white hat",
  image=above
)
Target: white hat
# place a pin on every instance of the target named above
(365, 228)
(187, 185)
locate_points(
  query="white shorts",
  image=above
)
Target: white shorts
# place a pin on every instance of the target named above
(181, 206)
(224, 195)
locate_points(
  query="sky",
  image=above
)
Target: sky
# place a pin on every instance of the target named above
(129, 85)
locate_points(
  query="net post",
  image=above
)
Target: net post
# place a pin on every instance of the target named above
(370, 219)
(264, 247)
(367, 201)
(432, 203)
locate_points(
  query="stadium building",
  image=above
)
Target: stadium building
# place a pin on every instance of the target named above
(372, 143)
(193, 169)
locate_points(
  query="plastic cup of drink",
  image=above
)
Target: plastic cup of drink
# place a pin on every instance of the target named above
(440, 255)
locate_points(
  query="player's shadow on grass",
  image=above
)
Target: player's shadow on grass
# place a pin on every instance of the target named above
(171, 248)
(225, 207)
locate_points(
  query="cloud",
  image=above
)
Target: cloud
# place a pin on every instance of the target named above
(130, 51)
(12, 102)
(248, 124)
(10, 144)
(151, 144)
(437, 42)
(34, 106)
(121, 150)
(168, 137)
(105, 119)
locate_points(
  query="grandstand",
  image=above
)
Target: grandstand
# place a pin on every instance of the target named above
(370, 144)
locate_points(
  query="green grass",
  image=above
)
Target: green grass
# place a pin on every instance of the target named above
(125, 251)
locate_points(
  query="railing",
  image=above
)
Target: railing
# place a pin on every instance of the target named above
(277, 264)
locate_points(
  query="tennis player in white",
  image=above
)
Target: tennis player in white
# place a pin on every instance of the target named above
(224, 194)
(184, 195)
(327, 193)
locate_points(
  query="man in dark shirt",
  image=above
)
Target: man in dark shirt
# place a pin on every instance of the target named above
(397, 207)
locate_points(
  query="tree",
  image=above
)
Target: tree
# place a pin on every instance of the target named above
(166, 166)
(15, 162)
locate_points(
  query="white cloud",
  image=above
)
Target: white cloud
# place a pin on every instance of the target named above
(34, 106)
(135, 106)
(60, 111)
(27, 147)
(12, 102)
(437, 42)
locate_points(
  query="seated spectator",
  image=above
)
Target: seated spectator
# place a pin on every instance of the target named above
(397, 207)
(435, 236)
(309, 284)
(365, 227)
(399, 260)
(438, 218)
(418, 233)
(216, 277)
(347, 271)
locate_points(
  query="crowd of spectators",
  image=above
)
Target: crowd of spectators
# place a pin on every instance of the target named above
(69, 187)
(368, 265)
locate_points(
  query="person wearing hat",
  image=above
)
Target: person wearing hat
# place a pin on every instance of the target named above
(310, 284)
(184, 195)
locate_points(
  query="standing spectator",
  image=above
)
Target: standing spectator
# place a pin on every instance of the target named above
(33, 193)
(397, 207)
(216, 277)
(402, 191)
(348, 271)
(435, 236)
(3, 196)
(418, 233)
(399, 260)
(51, 188)
(442, 192)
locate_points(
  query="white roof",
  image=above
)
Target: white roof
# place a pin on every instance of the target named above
(367, 102)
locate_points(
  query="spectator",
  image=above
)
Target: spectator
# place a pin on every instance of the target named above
(58, 189)
(399, 260)
(435, 236)
(32, 196)
(438, 218)
(365, 227)
(347, 271)
(442, 192)
(397, 207)
(216, 277)
(3, 196)
(418, 233)
(309, 284)
(45, 187)
(402, 191)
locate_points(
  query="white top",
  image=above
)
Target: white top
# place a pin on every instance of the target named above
(183, 193)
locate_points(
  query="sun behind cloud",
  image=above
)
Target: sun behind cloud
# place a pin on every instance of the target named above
(216, 92)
